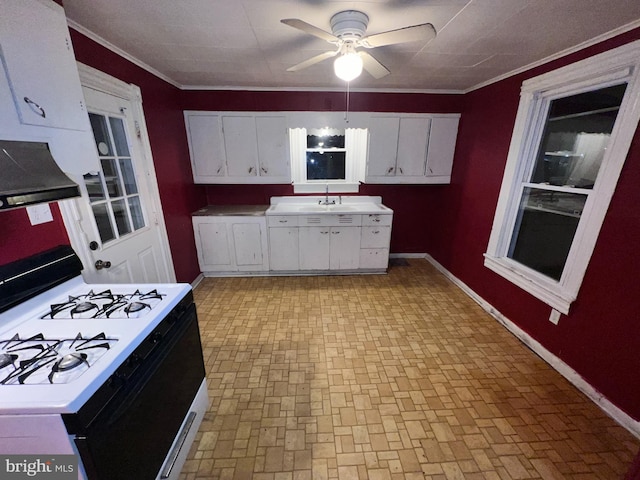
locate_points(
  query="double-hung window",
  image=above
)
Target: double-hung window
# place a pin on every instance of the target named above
(572, 133)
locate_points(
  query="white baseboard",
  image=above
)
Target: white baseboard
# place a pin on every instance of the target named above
(556, 363)
(197, 281)
(407, 255)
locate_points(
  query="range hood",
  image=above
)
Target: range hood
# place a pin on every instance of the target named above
(30, 175)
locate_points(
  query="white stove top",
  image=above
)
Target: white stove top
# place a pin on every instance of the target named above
(78, 344)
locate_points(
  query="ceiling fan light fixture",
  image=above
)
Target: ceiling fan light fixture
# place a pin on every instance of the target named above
(348, 66)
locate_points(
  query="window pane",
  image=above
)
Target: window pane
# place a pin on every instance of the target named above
(128, 176)
(110, 171)
(576, 136)
(136, 212)
(103, 222)
(547, 223)
(119, 137)
(325, 138)
(94, 187)
(122, 219)
(326, 165)
(101, 134)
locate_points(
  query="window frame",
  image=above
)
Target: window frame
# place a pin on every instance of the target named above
(619, 65)
(355, 148)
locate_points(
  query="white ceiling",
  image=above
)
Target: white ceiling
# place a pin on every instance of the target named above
(241, 43)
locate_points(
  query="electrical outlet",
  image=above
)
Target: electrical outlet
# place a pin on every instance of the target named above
(39, 214)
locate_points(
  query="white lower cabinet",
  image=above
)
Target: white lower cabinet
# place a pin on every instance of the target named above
(326, 243)
(231, 243)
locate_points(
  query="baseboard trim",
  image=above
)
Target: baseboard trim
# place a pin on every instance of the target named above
(407, 255)
(556, 363)
(197, 281)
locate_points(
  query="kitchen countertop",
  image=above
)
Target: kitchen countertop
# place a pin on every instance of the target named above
(231, 210)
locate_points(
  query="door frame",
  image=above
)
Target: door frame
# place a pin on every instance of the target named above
(98, 80)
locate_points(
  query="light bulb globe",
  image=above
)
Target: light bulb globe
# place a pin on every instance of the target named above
(348, 66)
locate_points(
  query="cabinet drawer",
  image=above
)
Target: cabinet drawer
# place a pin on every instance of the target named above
(377, 258)
(376, 219)
(282, 220)
(375, 237)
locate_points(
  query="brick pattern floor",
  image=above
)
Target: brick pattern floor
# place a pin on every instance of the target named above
(399, 376)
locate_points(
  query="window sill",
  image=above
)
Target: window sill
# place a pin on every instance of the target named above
(540, 286)
(334, 187)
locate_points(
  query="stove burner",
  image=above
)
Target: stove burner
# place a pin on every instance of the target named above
(70, 361)
(84, 307)
(136, 307)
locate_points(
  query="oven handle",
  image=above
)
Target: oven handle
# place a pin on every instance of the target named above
(175, 451)
(135, 385)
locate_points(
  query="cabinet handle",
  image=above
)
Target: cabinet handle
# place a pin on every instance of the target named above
(324, 233)
(283, 221)
(375, 232)
(390, 170)
(219, 168)
(250, 169)
(401, 172)
(336, 233)
(38, 109)
(264, 170)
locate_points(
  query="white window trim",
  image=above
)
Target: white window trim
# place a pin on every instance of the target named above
(356, 141)
(607, 68)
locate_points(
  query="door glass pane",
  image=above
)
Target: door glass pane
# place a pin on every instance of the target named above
(111, 177)
(576, 136)
(93, 182)
(101, 135)
(121, 216)
(128, 176)
(103, 222)
(119, 136)
(136, 212)
(547, 223)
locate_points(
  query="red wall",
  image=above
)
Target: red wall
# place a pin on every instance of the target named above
(165, 123)
(600, 338)
(18, 239)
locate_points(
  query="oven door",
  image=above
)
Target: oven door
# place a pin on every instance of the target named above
(132, 434)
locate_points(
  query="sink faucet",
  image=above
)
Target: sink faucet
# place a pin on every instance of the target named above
(326, 198)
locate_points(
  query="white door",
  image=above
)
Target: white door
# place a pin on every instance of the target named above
(119, 230)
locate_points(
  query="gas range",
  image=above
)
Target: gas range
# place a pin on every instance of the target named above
(57, 348)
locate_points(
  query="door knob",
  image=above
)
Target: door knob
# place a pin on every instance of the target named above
(93, 245)
(100, 264)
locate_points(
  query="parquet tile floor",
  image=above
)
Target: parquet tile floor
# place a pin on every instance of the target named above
(397, 376)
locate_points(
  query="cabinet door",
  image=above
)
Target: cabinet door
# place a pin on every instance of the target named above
(40, 65)
(204, 133)
(413, 139)
(283, 248)
(383, 146)
(375, 237)
(213, 246)
(442, 144)
(315, 245)
(345, 248)
(247, 241)
(241, 145)
(273, 147)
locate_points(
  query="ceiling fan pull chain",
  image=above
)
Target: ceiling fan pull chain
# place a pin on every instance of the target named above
(346, 112)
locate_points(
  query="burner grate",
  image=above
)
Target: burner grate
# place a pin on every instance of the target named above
(37, 359)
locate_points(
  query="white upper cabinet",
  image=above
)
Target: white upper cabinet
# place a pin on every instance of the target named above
(204, 132)
(238, 147)
(411, 148)
(40, 66)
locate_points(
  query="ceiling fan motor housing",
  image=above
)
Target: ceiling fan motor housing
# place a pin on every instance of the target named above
(349, 24)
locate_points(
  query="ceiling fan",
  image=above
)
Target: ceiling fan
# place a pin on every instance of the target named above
(349, 29)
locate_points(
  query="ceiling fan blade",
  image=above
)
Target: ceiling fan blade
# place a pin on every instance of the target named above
(310, 29)
(373, 66)
(424, 33)
(312, 61)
